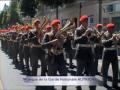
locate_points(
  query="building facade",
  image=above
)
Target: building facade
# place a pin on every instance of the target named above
(110, 11)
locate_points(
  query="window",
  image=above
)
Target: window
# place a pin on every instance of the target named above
(91, 20)
(110, 8)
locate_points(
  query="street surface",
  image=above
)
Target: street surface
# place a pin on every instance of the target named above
(12, 78)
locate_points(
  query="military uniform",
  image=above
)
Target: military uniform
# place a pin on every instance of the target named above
(84, 53)
(37, 53)
(15, 49)
(55, 54)
(20, 51)
(110, 56)
(69, 50)
(98, 47)
(26, 52)
(10, 48)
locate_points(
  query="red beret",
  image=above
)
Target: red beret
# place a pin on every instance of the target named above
(98, 25)
(27, 28)
(110, 26)
(83, 18)
(23, 28)
(56, 21)
(48, 27)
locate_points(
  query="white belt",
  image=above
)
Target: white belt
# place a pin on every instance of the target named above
(97, 44)
(26, 44)
(36, 45)
(85, 45)
(112, 48)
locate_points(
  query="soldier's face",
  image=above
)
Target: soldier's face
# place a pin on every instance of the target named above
(85, 23)
(57, 25)
(111, 31)
(37, 24)
(48, 30)
(99, 28)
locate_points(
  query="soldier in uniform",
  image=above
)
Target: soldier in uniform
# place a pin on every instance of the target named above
(10, 47)
(26, 51)
(36, 51)
(15, 49)
(84, 54)
(20, 51)
(48, 28)
(110, 42)
(2, 41)
(68, 48)
(98, 45)
(55, 54)
(6, 43)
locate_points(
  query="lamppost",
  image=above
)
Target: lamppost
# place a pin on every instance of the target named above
(100, 10)
(80, 10)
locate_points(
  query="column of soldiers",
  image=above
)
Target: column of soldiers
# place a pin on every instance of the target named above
(52, 45)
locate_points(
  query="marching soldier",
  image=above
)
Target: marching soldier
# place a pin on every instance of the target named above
(36, 51)
(55, 54)
(68, 48)
(110, 55)
(26, 52)
(84, 53)
(98, 45)
(10, 46)
(6, 43)
(15, 49)
(20, 51)
(48, 28)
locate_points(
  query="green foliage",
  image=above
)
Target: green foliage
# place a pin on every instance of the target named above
(13, 16)
(10, 14)
(55, 3)
(28, 7)
(1, 18)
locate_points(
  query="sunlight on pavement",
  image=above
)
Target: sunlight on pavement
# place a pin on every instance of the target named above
(1, 86)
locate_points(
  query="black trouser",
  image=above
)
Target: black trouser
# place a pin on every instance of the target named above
(6, 46)
(26, 53)
(15, 53)
(81, 66)
(35, 55)
(34, 63)
(9, 49)
(39, 56)
(56, 63)
(98, 55)
(69, 54)
(21, 57)
(110, 57)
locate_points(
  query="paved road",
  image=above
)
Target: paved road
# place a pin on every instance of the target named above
(1, 85)
(13, 79)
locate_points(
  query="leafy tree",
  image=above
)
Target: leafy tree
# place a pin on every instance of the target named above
(55, 3)
(13, 12)
(1, 18)
(28, 7)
